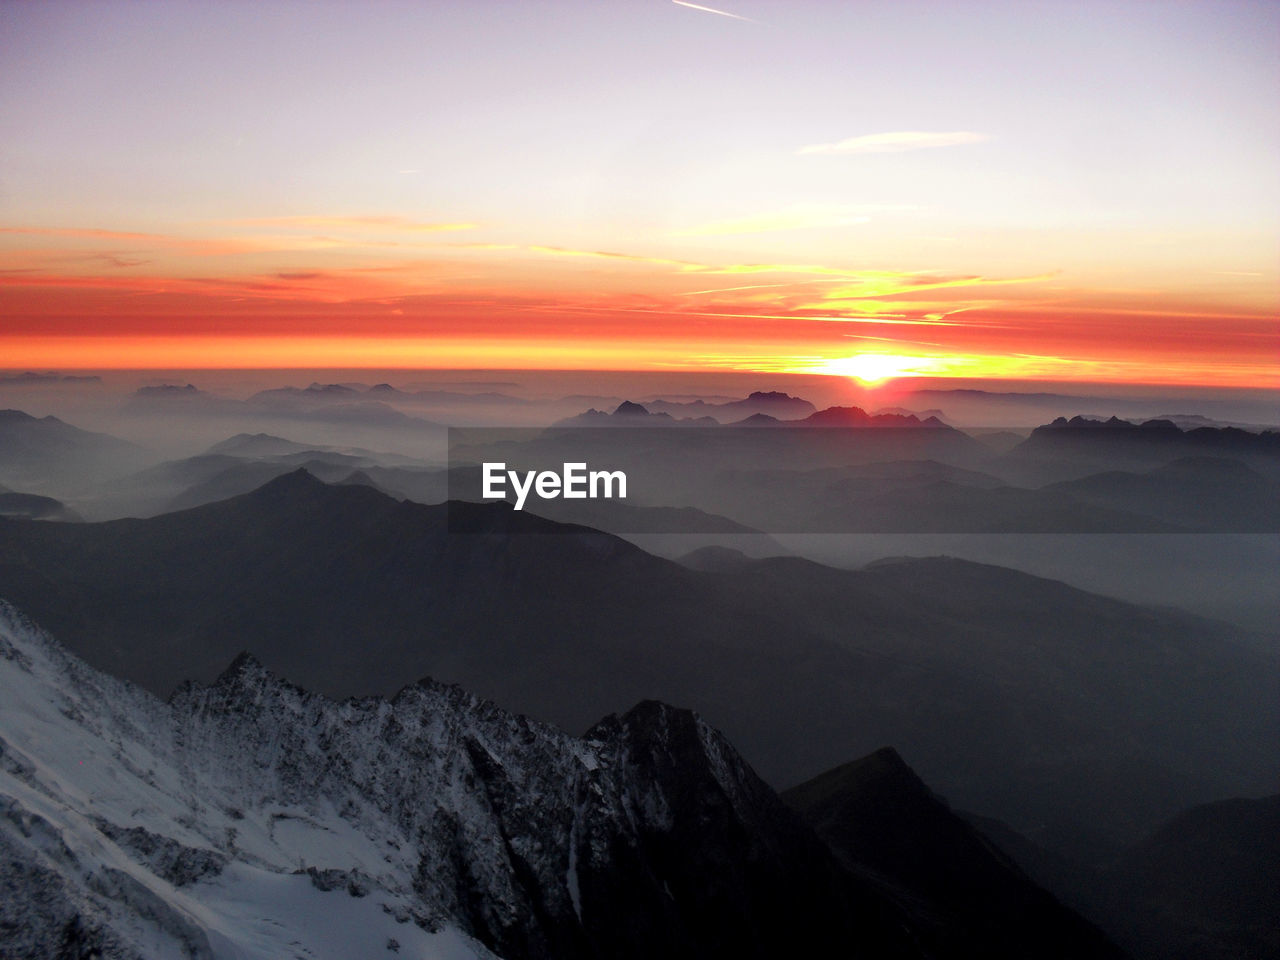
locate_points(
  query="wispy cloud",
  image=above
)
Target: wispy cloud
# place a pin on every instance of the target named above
(135, 240)
(720, 13)
(895, 142)
(877, 284)
(84, 233)
(797, 219)
(610, 255)
(400, 224)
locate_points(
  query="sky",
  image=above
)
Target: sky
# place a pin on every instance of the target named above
(1056, 190)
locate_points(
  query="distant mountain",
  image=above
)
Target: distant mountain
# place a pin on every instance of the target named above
(1204, 493)
(372, 413)
(773, 403)
(878, 815)
(713, 557)
(1011, 408)
(1191, 421)
(920, 414)
(185, 400)
(922, 496)
(446, 397)
(250, 818)
(31, 378)
(630, 414)
(857, 417)
(315, 393)
(31, 506)
(258, 445)
(47, 455)
(322, 394)
(208, 477)
(169, 391)
(1085, 444)
(1021, 697)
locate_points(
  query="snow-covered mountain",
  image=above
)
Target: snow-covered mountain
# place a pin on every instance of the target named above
(250, 818)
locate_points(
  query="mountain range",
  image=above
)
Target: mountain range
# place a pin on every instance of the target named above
(1077, 718)
(249, 818)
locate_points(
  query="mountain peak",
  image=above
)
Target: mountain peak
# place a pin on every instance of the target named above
(17, 416)
(243, 665)
(292, 482)
(627, 408)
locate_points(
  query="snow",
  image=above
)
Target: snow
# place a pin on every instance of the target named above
(252, 819)
(84, 757)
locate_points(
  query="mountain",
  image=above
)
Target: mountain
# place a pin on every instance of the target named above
(631, 414)
(1200, 493)
(857, 417)
(258, 445)
(1206, 885)
(998, 409)
(926, 496)
(878, 815)
(30, 377)
(713, 558)
(243, 463)
(252, 819)
(1083, 445)
(758, 410)
(772, 403)
(1051, 708)
(34, 507)
(315, 393)
(54, 457)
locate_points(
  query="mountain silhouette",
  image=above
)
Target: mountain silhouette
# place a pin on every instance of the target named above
(1017, 696)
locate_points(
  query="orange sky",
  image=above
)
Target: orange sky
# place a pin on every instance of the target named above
(94, 298)
(642, 185)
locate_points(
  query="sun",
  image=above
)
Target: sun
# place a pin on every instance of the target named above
(871, 369)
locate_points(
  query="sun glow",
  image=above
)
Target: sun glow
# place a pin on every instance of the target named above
(870, 369)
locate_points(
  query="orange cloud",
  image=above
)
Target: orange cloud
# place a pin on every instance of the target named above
(372, 222)
(798, 219)
(879, 283)
(148, 240)
(610, 255)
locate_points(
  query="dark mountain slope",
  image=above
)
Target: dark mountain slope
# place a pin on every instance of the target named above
(1206, 886)
(878, 815)
(252, 819)
(1016, 695)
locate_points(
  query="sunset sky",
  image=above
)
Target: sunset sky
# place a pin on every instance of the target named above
(1059, 190)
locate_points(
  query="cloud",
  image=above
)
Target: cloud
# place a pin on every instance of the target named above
(355, 223)
(798, 219)
(895, 142)
(88, 233)
(877, 284)
(192, 245)
(610, 255)
(802, 268)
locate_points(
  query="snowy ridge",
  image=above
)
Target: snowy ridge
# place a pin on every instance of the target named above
(251, 818)
(112, 841)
